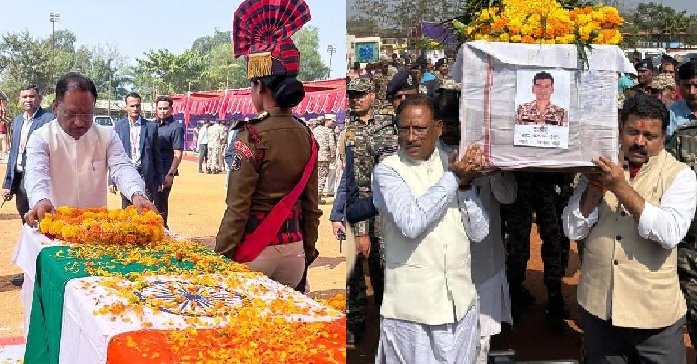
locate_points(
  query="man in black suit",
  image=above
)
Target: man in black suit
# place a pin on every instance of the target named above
(140, 141)
(23, 125)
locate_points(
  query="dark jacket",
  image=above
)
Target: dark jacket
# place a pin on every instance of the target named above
(42, 117)
(150, 165)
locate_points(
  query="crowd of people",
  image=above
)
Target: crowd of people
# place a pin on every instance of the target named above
(447, 246)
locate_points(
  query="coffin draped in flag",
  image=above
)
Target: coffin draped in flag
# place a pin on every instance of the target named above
(165, 302)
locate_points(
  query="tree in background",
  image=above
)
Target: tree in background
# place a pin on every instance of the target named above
(207, 65)
(311, 65)
(25, 59)
(399, 18)
(210, 65)
(657, 23)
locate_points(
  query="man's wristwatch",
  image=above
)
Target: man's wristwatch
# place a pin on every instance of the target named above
(137, 193)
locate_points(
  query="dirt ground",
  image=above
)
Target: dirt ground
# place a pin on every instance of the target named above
(197, 203)
(530, 339)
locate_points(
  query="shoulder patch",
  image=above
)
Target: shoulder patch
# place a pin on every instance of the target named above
(242, 149)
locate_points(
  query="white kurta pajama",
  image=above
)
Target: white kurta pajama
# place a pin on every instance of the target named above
(429, 310)
(489, 260)
(73, 172)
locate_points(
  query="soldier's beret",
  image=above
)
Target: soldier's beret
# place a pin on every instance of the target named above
(402, 80)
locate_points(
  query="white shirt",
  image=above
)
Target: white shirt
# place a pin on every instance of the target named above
(202, 136)
(37, 180)
(26, 126)
(666, 224)
(415, 214)
(134, 129)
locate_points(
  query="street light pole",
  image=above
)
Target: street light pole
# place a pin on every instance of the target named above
(54, 18)
(331, 49)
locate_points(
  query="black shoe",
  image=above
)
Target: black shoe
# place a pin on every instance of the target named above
(518, 313)
(526, 297)
(556, 306)
(521, 296)
(17, 280)
(556, 324)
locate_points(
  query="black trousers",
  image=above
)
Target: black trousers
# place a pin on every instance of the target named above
(21, 199)
(202, 156)
(605, 343)
(161, 201)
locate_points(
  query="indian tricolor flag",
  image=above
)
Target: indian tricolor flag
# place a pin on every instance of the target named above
(159, 317)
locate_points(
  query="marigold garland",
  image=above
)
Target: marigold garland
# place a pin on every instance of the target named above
(102, 226)
(544, 22)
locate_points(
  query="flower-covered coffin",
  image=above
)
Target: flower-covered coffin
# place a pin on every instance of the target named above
(540, 105)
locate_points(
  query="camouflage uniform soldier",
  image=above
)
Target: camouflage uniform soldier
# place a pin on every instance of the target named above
(541, 110)
(380, 80)
(215, 144)
(536, 192)
(376, 142)
(683, 145)
(645, 77)
(361, 99)
(324, 134)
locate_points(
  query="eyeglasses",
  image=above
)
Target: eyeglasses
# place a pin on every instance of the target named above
(82, 117)
(419, 131)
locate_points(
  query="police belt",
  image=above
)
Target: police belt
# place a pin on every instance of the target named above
(290, 232)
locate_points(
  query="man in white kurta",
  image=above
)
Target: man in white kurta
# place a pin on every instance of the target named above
(68, 160)
(429, 310)
(489, 256)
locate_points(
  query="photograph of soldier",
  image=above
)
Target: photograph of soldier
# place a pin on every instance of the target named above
(542, 111)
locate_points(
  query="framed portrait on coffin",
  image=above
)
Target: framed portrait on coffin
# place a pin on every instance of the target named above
(542, 108)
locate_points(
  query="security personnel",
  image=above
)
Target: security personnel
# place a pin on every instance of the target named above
(403, 84)
(683, 145)
(274, 156)
(536, 192)
(361, 97)
(644, 70)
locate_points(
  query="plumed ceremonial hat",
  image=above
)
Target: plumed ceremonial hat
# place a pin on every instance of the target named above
(262, 30)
